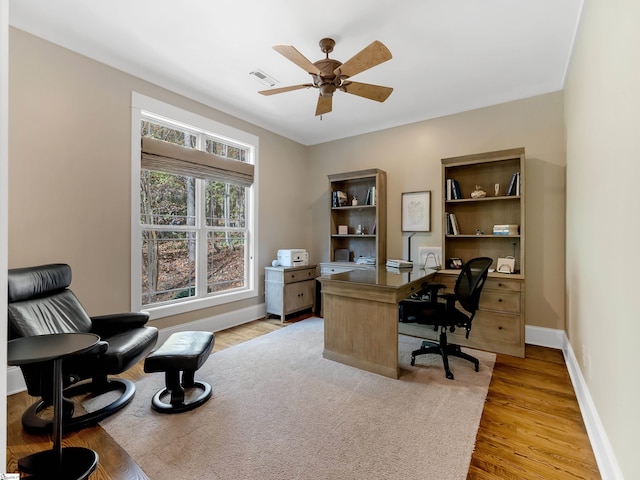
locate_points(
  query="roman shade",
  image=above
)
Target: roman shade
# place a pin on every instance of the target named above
(177, 160)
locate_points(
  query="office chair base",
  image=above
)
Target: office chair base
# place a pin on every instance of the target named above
(33, 422)
(444, 350)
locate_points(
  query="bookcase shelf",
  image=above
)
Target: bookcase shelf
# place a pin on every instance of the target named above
(370, 189)
(499, 325)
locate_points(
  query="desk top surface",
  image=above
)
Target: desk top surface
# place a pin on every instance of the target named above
(382, 276)
(41, 348)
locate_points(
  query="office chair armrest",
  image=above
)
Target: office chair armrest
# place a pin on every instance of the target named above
(107, 325)
(450, 299)
(433, 287)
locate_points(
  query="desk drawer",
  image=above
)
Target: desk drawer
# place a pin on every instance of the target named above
(503, 284)
(500, 301)
(492, 326)
(331, 270)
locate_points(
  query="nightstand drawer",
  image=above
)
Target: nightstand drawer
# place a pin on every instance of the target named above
(299, 275)
(289, 289)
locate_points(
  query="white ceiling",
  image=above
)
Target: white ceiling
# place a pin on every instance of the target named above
(449, 56)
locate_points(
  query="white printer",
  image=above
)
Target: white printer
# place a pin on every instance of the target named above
(293, 257)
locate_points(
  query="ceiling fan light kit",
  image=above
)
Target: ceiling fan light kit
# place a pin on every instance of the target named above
(329, 75)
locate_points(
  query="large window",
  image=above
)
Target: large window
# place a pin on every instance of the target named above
(194, 229)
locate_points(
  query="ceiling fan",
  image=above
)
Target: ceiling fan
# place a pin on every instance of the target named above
(330, 75)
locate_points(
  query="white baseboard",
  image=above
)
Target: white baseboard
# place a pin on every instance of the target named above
(545, 337)
(15, 381)
(605, 457)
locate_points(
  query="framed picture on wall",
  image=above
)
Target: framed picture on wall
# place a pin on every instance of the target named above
(416, 211)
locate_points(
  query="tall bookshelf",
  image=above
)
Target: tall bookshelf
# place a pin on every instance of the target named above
(499, 324)
(370, 189)
(476, 217)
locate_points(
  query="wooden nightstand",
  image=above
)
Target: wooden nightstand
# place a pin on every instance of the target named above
(289, 289)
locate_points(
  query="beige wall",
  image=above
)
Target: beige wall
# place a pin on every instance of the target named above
(70, 177)
(69, 173)
(603, 225)
(411, 157)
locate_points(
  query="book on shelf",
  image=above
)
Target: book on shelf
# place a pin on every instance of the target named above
(457, 194)
(393, 263)
(339, 199)
(453, 189)
(514, 185)
(368, 199)
(456, 228)
(452, 224)
(506, 229)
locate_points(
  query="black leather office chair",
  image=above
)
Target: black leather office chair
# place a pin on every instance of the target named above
(446, 315)
(40, 303)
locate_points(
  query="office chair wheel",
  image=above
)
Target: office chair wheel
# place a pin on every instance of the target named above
(413, 360)
(449, 375)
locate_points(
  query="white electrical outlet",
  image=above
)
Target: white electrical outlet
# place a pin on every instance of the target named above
(431, 257)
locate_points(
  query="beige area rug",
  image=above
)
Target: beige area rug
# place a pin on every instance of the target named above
(281, 411)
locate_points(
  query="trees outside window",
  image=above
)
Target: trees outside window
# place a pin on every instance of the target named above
(195, 234)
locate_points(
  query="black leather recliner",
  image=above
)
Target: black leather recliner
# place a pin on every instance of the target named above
(40, 303)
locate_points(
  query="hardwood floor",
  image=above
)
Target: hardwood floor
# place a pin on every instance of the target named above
(531, 427)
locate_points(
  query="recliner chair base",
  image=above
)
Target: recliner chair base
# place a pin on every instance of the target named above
(445, 350)
(33, 422)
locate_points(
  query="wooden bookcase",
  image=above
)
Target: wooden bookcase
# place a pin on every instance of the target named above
(499, 325)
(476, 217)
(370, 188)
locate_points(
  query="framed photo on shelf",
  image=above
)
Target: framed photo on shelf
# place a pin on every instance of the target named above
(416, 211)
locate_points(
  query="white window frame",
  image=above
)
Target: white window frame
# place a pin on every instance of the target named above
(144, 105)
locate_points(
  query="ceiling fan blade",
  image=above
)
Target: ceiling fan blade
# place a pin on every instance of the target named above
(366, 90)
(324, 105)
(370, 56)
(273, 91)
(296, 57)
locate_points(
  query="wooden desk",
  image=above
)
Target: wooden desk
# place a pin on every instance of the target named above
(360, 310)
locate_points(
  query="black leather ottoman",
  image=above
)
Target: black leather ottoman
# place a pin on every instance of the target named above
(182, 352)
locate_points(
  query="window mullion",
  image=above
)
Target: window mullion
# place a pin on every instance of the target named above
(201, 234)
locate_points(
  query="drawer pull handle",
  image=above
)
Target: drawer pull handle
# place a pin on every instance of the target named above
(499, 284)
(499, 300)
(499, 328)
